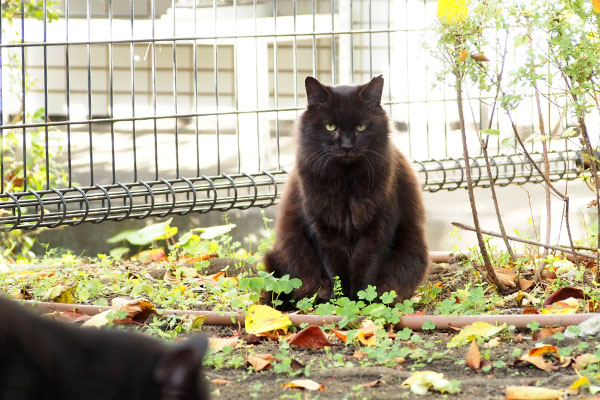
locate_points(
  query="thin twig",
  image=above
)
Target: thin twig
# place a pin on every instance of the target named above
(528, 241)
(486, 260)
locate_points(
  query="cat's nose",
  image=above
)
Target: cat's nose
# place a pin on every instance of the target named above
(346, 144)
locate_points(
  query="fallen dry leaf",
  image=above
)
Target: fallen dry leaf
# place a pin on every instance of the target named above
(260, 361)
(546, 358)
(359, 354)
(530, 310)
(60, 294)
(532, 393)
(218, 344)
(137, 310)
(567, 306)
(365, 332)
(150, 255)
(311, 337)
(584, 360)
(261, 319)
(375, 383)
(495, 342)
(563, 294)
(68, 316)
(307, 384)
(582, 380)
(420, 382)
(547, 332)
(519, 338)
(525, 284)
(219, 381)
(473, 331)
(506, 276)
(473, 360)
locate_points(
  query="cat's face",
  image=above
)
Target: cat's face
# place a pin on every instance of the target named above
(345, 123)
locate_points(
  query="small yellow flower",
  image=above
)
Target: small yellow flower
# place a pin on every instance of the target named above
(451, 11)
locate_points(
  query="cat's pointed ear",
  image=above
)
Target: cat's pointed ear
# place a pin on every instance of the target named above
(179, 368)
(372, 91)
(315, 92)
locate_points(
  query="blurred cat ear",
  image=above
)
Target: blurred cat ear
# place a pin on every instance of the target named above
(372, 91)
(315, 92)
(179, 368)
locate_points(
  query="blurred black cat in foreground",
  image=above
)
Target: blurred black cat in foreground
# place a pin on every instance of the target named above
(45, 359)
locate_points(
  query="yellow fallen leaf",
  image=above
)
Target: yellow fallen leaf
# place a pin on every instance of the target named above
(420, 382)
(474, 331)
(307, 384)
(532, 393)
(450, 11)
(580, 382)
(596, 6)
(60, 294)
(261, 319)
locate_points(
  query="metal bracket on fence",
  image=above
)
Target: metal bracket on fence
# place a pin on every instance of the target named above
(75, 205)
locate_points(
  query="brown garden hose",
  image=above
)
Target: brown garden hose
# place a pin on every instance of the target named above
(414, 322)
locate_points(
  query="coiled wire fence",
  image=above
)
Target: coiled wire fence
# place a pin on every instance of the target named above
(114, 110)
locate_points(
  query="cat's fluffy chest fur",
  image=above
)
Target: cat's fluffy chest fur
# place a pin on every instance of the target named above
(352, 207)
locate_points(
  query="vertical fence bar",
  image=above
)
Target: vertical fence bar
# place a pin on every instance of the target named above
(236, 97)
(389, 57)
(276, 84)
(175, 90)
(89, 86)
(1, 114)
(407, 82)
(111, 101)
(23, 88)
(216, 68)
(295, 58)
(155, 128)
(351, 41)
(45, 50)
(257, 92)
(333, 59)
(68, 89)
(132, 69)
(195, 56)
(371, 38)
(314, 40)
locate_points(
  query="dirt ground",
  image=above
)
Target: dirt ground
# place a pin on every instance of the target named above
(346, 382)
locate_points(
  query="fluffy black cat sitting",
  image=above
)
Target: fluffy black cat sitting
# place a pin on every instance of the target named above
(352, 207)
(45, 359)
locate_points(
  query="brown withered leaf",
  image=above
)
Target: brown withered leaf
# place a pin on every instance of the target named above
(375, 383)
(68, 316)
(563, 294)
(525, 284)
(547, 332)
(584, 360)
(530, 310)
(296, 365)
(480, 57)
(494, 342)
(545, 358)
(506, 276)
(473, 360)
(532, 393)
(137, 310)
(250, 339)
(260, 361)
(218, 381)
(519, 338)
(359, 354)
(218, 344)
(311, 337)
(548, 276)
(307, 384)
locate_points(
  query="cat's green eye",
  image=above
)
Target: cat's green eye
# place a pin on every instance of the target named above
(361, 127)
(330, 127)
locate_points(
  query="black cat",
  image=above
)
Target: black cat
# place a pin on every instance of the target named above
(352, 206)
(45, 359)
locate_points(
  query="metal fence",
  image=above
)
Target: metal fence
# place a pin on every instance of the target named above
(127, 109)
